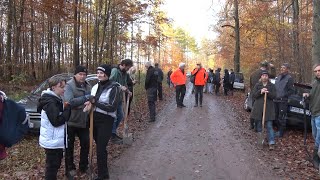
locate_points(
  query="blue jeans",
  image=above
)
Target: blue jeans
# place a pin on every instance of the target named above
(315, 123)
(270, 131)
(118, 119)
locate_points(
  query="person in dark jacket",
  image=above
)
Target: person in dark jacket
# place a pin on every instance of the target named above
(77, 92)
(232, 79)
(314, 97)
(151, 85)
(159, 72)
(168, 77)
(226, 82)
(262, 87)
(106, 99)
(255, 77)
(284, 86)
(54, 115)
(217, 81)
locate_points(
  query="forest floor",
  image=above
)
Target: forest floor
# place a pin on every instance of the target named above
(212, 142)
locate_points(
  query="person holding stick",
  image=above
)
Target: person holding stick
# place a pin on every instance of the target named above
(314, 97)
(264, 86)
(105, 102)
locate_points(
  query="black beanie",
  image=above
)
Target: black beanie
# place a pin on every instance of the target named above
(105, 68)
(81, 69)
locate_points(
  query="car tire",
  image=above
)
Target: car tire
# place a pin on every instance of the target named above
(245, 105)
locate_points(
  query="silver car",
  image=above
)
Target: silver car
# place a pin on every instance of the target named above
(31, 101)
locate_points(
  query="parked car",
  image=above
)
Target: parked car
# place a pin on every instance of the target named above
(31, 101)
(295, 111)
(238, 81)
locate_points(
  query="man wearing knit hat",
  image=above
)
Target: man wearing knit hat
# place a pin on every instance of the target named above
(178, 79)
(284, 87)
(77, 92)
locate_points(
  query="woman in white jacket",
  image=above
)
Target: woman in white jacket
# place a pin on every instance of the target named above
(54, 115)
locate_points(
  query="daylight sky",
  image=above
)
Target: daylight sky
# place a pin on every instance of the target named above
(195, 16)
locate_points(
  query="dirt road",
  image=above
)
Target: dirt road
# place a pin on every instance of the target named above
(190, 143)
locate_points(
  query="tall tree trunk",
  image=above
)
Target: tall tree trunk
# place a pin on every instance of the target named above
(17, 43)
(33, 71)
(75, 35)
(9, 38)
(50, 46)
(237, 35)
(296, 46)
(316, 32)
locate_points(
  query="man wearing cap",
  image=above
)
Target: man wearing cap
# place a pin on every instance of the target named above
(314, 97)
(159, 72)
(255, 77)
(151, 85)
(264, 86)
(201, 77)
(119, 75)
(77, 92)
(284, 86)
(178, 79)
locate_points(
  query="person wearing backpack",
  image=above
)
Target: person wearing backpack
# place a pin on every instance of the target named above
(201, 77)
(159, 74)
(54, 117)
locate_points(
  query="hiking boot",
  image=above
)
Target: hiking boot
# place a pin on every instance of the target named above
(196, 105)
(116, 136)
(315, 159)
(71, 174)
(116, 141)
(271, 147)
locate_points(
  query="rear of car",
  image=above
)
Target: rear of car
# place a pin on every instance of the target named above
(239, 81)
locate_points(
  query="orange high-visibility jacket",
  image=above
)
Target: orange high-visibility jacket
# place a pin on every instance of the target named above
(178, 77)
(201, 77)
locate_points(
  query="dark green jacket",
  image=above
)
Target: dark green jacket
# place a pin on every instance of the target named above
(257, 110)
(315, 98)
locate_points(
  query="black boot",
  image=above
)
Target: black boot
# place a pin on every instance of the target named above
(251, 123)
(315, 160)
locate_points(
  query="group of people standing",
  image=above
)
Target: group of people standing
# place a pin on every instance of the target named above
(276, 101)
(65, 108)
(203, 81)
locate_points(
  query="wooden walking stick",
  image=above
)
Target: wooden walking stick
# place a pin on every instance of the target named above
(263, 118)
(127, 138)
(91, 144)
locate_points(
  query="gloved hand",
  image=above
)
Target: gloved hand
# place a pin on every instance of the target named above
(66, 113)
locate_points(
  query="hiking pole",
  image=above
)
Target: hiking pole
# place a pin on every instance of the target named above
(303, 102)
(263, 118)
(91, 144)
(127, 138)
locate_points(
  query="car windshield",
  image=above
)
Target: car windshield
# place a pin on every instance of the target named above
(238, 77)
